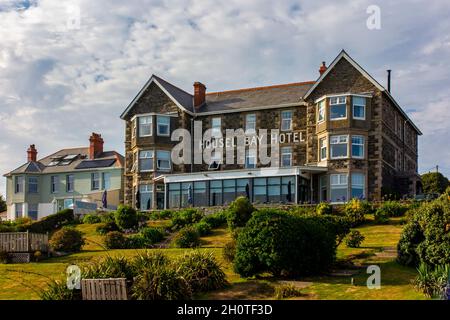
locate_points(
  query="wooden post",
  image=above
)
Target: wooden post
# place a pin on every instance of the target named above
(28, 242)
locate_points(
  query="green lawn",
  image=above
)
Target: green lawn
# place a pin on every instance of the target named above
(23, 281)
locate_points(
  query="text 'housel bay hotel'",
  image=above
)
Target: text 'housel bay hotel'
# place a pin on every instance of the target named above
(356, 141)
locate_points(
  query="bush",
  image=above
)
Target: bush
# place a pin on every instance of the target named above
(161, 283)
(426, 237)
(354, 239)
(115, 240)
(107, 217)
(57, 290)
(151, 235)
(91, 219)
(434, 182)
(276, 242)
(229, 251)
(51, 222)
(355, 210)
(186, 217)
(126, 217)
(303, 210)
(104, 228)
(203, 228)
(286, 291)
(149, 260)
(380, 216)
(67, 240)
(432, 281)
(201, 271)
(337, 227)
(239, 212)
(187, 237)
(216, 220)
(161, 215)
(393, 209)
(324, 208)
(4, 257)
(109, 267)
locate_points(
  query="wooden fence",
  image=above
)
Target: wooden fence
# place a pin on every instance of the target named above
(15, 242)
(104, 289)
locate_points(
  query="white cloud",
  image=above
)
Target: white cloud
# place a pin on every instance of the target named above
(59, 83)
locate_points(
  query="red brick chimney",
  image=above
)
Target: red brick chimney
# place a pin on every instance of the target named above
(96, 145)
(32, 153)
(199, 94)
(323, 68)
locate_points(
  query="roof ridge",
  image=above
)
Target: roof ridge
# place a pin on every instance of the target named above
(158, 77)
(263, 87)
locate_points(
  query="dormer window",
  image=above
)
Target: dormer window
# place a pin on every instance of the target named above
(338, 108)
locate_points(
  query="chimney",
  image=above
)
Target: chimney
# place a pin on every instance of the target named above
(96, 145)
(32, 153)
(389, 81)
(199, 94)
(322, 68)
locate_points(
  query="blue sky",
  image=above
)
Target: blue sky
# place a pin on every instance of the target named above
(67, 70)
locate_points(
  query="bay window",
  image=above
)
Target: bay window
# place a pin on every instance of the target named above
(321, 111)
(95, 181)
(70, 181)
(358, 147)
(32, 185)
(54, 184)
(163, 126)
(145, 126)
(323, 148)
(146, 160)
(339, 187)
(19, 184)
(146, 192)
(338, 108)
(358, 185)
(163, 160)
(338, 147)
(359, 108)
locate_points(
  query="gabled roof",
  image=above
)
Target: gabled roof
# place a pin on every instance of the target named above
(180, 97)
(43, 166)
(344, 55)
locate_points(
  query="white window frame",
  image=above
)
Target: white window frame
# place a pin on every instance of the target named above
(250, 154)
(284, 120)
(54, 184)
(71, 184)
(149, 154)
(157, 161)
(338, 102)
(361, 186)
(214, 127)
(104, 175)
(250, 129)
(95, 181)
(323, 146)
(321, 105)
(342, 183)
(331, 146)
(358, 144)
(143, 189)
(286, 151)
(34, 183)
(358, 105)
(19, 186)
(147, 123)
(158, 125)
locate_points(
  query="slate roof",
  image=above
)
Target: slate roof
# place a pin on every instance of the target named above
(42, 166)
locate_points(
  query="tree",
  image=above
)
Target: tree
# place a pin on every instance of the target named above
(2, 204)
(434, 182)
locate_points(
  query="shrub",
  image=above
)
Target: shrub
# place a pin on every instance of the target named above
(203, 228)
(149, 260)
(275, 242)
(381, 216)
(161, 283)
(324, 208)
(286, 291)
(432, 281)
(115, 240)
(187, 237)
(57, 290)
(239, 212)
(107, 217)
(186, 217)
(217, 219)
(67, 240)
(201, 271)
(303, 210)
(104, 228)
(109, 267)
(354, 239)
(126, 217)
(161, 215)
(51, 222)
(393, 209)
(151, 235)
(7, 226)
(4, 257)
(434, 182)
(426, 238)
(355, 210)
(91, 219)
(229, 251)
(337, 227)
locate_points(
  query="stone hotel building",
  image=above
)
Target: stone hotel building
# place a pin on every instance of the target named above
(356, 141)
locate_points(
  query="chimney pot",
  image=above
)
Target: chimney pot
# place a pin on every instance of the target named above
(95, 145)
(323, 68)
(199, 94)
(32, 153)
